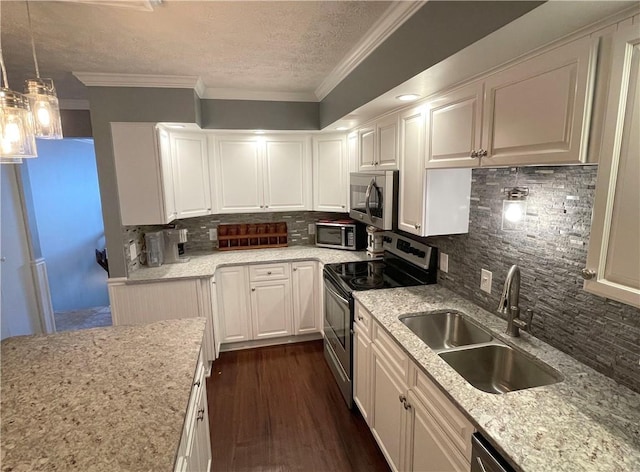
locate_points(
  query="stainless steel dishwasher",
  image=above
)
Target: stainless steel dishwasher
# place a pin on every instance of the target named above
(485, 458)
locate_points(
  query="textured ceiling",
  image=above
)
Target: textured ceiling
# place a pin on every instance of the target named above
(270, 46)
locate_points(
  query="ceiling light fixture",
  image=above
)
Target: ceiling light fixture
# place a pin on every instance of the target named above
(17, 138)
(42, 98)
(408, 97)
(342, 128)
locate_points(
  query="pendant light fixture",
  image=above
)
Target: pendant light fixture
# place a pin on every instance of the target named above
(17, 138)
(42, 98)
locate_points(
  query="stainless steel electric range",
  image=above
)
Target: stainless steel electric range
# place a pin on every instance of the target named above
(405, 263)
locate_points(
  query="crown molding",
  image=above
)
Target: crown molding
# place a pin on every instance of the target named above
(73, 104)
(99, 79)
(390, 21)
(241, 94)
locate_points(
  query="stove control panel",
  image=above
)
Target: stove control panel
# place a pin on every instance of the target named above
(417, 253)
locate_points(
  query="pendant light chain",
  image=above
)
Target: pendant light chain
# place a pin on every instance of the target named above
(33, 43)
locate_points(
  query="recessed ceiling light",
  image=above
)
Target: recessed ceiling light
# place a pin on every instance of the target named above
(408, 97)
(258, 131)
(342, 128)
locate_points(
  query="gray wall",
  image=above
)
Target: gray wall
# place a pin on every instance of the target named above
(113, 104)
(76, 123)
(256, 114)
(436, 31)
(551, 251)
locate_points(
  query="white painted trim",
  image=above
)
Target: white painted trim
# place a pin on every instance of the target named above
(390, 21)
(43, 295)
(237, 346)
(73, 104)
(241, 94)
(99, 79)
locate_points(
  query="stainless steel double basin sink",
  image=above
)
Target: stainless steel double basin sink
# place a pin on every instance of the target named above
(482, 360)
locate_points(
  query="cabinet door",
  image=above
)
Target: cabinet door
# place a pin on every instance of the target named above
(140, 183)
(306, 313)
(388, 413)
(202, 437)
(330, 178)
(287, 174)
(367, 148)
(538, 112)
(387, 143)
(166, 169)
(427, 447)
(239, 183)
(191, 174)
(614, 252)
(215, 318)
(271, 309)
(412, 171)
(233, 304)
(453, 129)
(362, 374)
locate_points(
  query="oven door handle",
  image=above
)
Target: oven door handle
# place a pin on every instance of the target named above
(327, 287)
(367, 197)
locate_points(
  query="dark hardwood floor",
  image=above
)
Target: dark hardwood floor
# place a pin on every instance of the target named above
(279, 409)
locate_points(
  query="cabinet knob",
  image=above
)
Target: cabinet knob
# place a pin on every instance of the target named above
(417, 226)
(588, 274)
(269, 272)
(253, 289)
(482, 153)
(295, 268)
(200, 414)
(360, 318)
(473, 154)
(344, 206)
(196, 383)
(261, 206)
(402, 398)
(407, 405)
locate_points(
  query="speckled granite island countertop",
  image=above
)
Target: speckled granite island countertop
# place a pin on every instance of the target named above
(104, 399)
(204, 265)
(587, 422)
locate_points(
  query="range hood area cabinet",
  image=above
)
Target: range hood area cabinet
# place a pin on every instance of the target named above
(261, 174)
(536, 112)
(161, 175)
(613, 269)
(430, 201)
(378, 144)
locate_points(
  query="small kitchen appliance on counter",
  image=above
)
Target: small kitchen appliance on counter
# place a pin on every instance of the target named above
(341, 234)
(374, 242)
(154, 248)
(172, 239)
(405, 263)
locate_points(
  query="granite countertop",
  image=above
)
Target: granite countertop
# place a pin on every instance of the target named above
(205, 265)
(104, 399)
(587, 422)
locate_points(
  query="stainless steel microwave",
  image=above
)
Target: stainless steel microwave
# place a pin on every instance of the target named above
(374, 197)
(340, 235)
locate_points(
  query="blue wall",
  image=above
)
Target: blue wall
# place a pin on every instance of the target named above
(66, 201)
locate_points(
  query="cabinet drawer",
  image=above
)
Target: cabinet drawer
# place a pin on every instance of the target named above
(362, 319)
(454, 424)
(268, 272)
(396, 356)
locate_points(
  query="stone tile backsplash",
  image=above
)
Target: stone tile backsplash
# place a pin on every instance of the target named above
(551, 250)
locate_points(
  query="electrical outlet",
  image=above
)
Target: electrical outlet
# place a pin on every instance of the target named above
(213, 234)
(312, 229)
(485, 280)
(444, 262)
(133, 251)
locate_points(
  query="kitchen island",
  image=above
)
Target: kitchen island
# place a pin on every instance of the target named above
(105, 399)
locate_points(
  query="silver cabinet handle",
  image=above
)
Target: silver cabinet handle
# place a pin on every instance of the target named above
(200, 414)
(588, 274)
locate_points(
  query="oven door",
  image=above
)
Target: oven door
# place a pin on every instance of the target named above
(337, 325)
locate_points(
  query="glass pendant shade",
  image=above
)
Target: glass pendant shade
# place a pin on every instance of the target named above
(44, 107)
(17, 138)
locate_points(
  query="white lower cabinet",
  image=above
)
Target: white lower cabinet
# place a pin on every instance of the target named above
(305, 295)
(233, 303)
(415, 425)
(271, 309)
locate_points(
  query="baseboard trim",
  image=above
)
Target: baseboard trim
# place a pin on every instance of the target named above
(270, 342)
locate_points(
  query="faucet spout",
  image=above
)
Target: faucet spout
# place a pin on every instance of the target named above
(509, 302)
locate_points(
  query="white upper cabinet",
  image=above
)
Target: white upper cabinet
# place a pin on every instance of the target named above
(378, 145)
(191, 174)
(536, 112)
(144, 175)
(454, 127)
(267, 174)
(330, 177)
(613, 268)
(166, 172)
(411, 178)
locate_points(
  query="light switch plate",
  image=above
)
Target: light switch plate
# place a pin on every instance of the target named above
(485, 280)
(213, 234)
(312, 229)
(133, 251)
(444, 262)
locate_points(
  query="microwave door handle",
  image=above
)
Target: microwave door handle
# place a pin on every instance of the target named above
(343, 236)
(367, 197)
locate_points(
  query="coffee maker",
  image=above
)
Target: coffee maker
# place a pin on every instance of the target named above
(173, 238)
(154, 248)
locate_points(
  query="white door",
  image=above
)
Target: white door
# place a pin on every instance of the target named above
(361, 374)
(238, 175)
(330, 178)
(614, 253)
(287, 174)
(428, 449)
(166, 170)
(453, 131)
(412, 171)
(191, 174)
(367, 148)
(233, 304)
(306, 315)
(271, 309)
(538, 112)
(387, 144)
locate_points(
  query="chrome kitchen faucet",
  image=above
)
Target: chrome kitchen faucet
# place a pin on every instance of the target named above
(509, 304)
